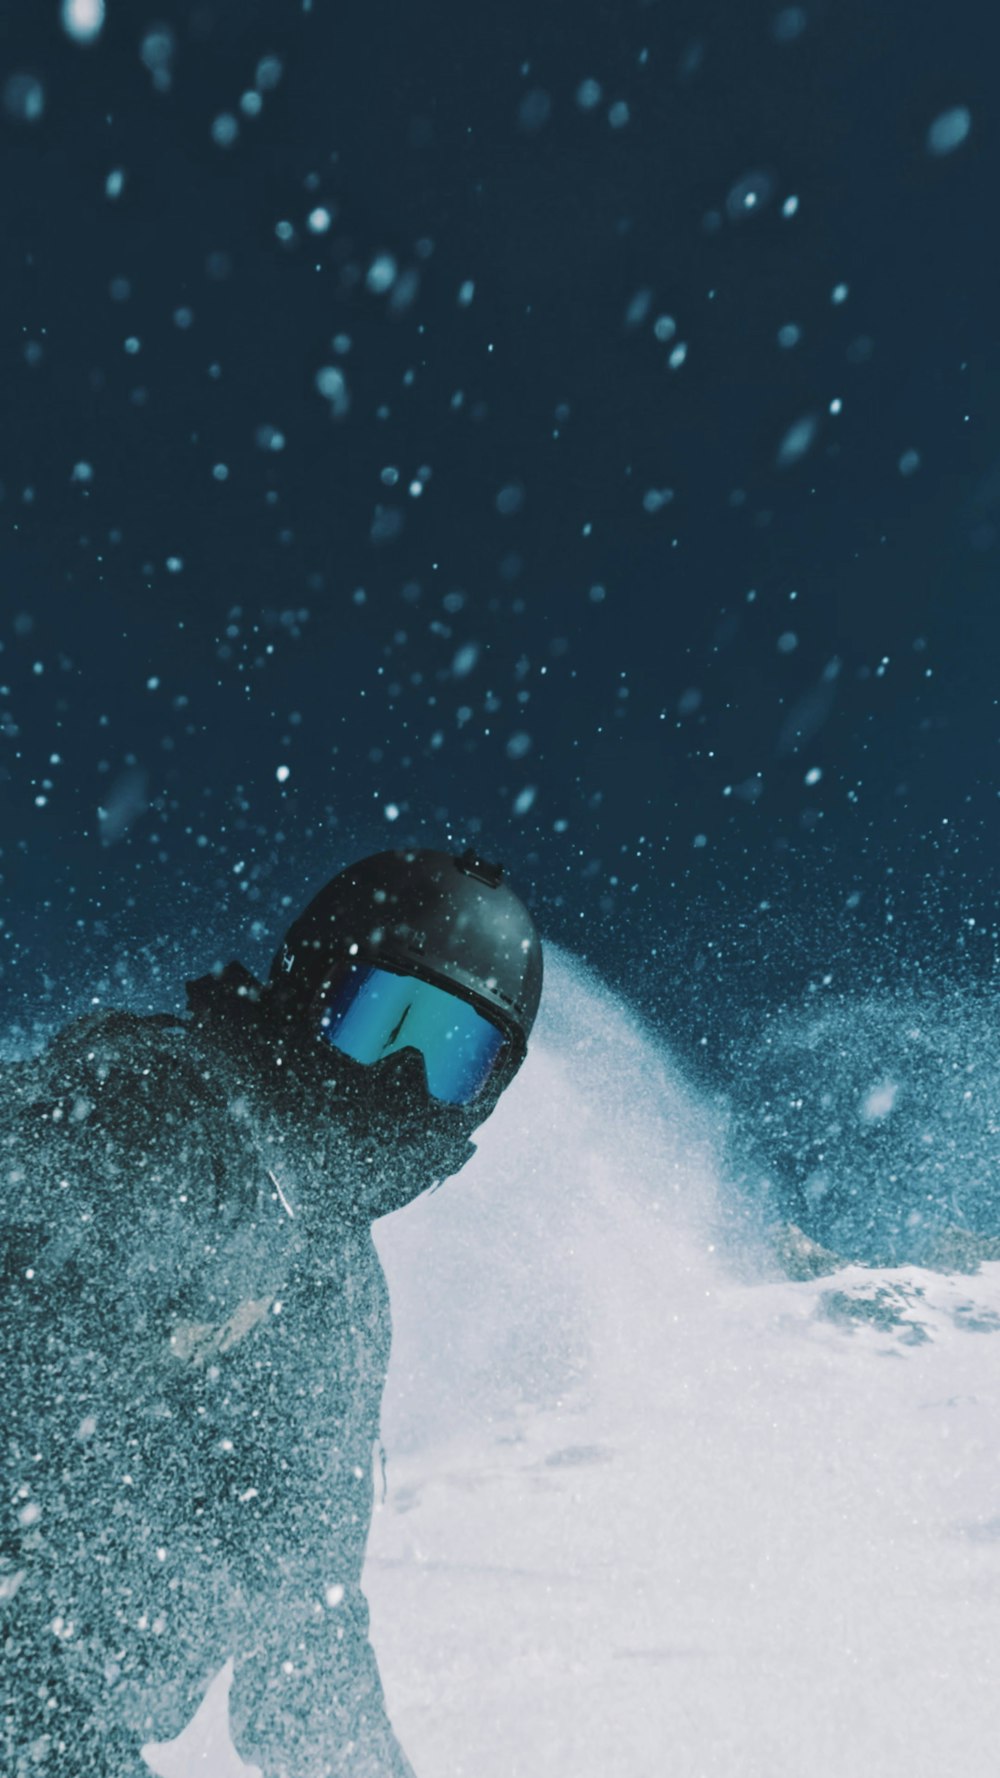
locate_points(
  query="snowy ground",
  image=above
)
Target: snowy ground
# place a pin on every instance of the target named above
(644, 1517)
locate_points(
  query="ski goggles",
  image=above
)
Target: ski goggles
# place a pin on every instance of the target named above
(370, 1013)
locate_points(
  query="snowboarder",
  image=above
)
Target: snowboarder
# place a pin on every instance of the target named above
(195, 1325)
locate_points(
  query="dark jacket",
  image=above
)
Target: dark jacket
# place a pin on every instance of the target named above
(194, 1340)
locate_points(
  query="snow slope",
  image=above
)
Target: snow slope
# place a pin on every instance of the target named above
(644, 1516)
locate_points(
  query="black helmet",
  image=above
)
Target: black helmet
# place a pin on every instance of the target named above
(450, 922)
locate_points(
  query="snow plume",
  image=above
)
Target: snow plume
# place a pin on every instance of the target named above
(643, 1516)
(873, 1122)
(593, 1197)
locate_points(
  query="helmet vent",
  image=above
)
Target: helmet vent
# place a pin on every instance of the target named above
(474, 866)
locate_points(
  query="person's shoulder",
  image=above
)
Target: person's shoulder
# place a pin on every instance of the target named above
(111, 1040)
(115, 1065)
(110, 1090)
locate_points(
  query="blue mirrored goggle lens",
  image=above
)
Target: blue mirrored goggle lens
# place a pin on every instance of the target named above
(371, 1013)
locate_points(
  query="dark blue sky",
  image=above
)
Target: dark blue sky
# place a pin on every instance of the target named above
(573, 427)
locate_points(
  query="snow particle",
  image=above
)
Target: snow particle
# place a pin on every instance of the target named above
(534, 111)
(750, 194)
(405, 291)
(225, 130)
(114, 184)
(83, 19)
(333, 1596)
(269, 72)
(788, 642)
(790, 206)
(332, 385)
(283, 774)
(813, 775)
(880, 1102)
(466, 292)
(789, 24)
(269, 438)
(655, 499)
(510, 499)
(638, 308)
(156, 52)
(664, 328)
(789, 335)
(465, 659)
(319, 220)
(909, 462)
(386, 524)
(175, 564)
(525, 799)
(589, 94)
(518, 745)
(678, 355)
(82, 472)
(381, 275)
(949, 130)
(619, 115)
(220, 471)
(798, 440)
(391, 811)
(23, 98)
(839, 294)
